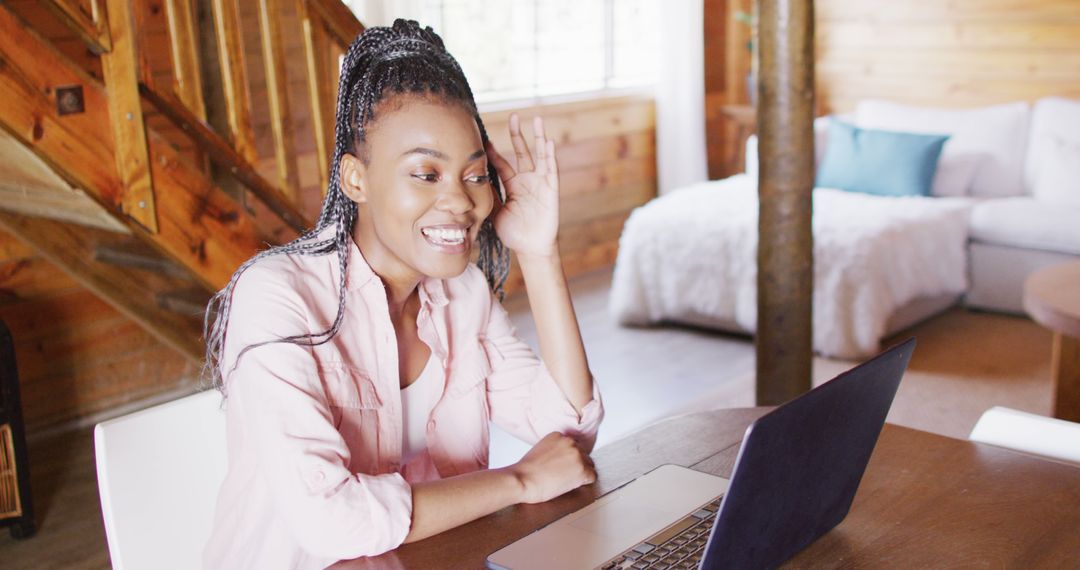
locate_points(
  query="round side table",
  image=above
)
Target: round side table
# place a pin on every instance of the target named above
(1052, 299)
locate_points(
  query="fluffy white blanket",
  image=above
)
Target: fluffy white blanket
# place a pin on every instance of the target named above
(691, 257)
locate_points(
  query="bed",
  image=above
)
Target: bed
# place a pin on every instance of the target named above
(881, 263)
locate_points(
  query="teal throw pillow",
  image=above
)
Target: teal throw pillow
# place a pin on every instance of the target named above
(885, 163)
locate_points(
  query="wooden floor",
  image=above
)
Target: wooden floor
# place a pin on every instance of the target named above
(965, 363)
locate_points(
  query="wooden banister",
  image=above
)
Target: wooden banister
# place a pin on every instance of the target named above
(324, 24)
(224, 155)
(234, 77)
(338, 19)
(187, 76)
(277, 91)
(92, 28)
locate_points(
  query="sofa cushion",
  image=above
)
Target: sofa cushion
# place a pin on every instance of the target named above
(1059, 174)
(879, 162)
(1052, 119)
(1025, 222)
(995, 136)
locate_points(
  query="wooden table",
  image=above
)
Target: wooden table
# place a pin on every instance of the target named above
(925, 501)
(1052, 298)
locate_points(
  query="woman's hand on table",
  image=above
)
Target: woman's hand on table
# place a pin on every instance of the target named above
(554, 466)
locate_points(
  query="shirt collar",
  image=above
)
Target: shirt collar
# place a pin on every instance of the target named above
(360, 274)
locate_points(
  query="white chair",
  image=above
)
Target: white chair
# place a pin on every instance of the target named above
(1049, 438)
(158, 472)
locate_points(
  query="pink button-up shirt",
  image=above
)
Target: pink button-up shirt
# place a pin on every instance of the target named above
(315, 433)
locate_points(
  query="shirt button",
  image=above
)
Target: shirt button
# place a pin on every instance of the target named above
(319, 476)
(431, 425)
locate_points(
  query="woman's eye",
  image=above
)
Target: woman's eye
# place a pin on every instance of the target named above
(479, 179)
(426, 176)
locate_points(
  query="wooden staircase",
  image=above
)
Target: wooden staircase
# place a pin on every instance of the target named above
(149, 147)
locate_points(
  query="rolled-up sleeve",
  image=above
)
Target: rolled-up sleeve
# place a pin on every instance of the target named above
(281, 401)
(524, 399)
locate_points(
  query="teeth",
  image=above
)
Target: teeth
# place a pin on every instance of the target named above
(445, 234)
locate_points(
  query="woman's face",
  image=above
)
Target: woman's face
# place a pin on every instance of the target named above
(424, 191)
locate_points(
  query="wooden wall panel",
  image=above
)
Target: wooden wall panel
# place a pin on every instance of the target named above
(960, 53)
(951, 54)
(76, 355)
(606, 150)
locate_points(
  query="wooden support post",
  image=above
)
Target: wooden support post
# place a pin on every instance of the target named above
(120, 67)
(786, 180)
(234, 78)
(277, 91)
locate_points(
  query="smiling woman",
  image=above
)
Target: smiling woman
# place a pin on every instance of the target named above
(363, 361)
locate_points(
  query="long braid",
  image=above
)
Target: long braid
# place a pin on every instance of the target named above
(380, 62)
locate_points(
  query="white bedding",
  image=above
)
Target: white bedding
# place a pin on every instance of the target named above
(691, 257)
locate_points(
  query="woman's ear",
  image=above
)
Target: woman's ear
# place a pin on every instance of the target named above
(352, 178)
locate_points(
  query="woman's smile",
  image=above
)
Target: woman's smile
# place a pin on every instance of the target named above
(447, 238)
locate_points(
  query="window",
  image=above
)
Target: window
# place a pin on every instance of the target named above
(531, 49)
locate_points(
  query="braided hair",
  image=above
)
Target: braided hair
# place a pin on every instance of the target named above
(381, 62)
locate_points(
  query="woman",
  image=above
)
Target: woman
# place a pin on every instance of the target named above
(363, 361)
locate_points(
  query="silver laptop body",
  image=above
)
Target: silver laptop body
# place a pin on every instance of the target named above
(794, 479)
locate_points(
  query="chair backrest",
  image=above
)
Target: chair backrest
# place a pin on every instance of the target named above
(1032, 434)
(159, 471)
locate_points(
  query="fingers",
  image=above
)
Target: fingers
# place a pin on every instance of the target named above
(540, 142)
(544, 161)
(521, 149)
(502, 166)
(553, 166)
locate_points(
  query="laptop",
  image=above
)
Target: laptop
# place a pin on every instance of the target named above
(794, 479)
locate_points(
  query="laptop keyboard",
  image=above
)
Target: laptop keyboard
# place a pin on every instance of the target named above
(680, 546)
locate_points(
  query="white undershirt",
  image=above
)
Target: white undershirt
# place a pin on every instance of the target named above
(417, 400)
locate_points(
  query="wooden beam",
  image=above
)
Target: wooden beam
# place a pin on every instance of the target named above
(78, 146)
(120, 67)
(185, 56)
(29, 186)
(277, 93)
(230, 44)
(785, 108)
(130, 291)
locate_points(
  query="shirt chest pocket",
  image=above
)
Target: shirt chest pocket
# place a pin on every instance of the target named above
(349, 387)
(471, 371)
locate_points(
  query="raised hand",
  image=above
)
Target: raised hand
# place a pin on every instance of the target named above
(528, 223)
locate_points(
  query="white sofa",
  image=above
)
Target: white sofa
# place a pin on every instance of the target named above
(1025, 184)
